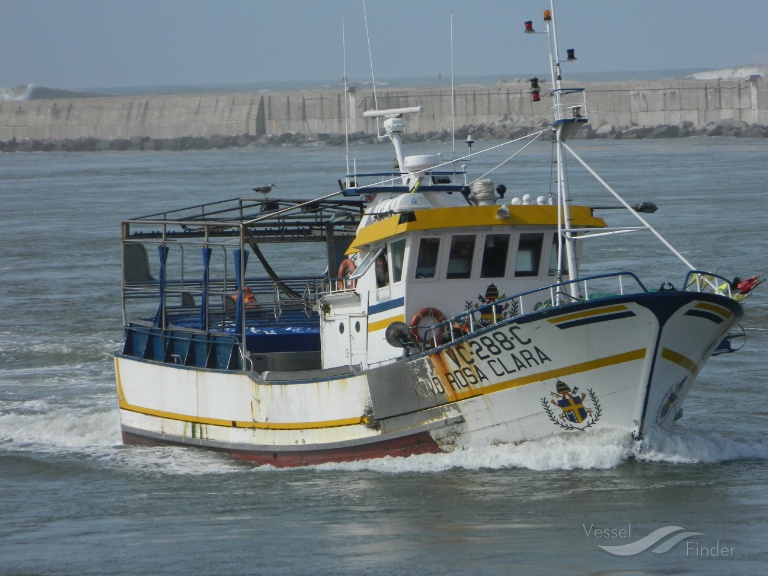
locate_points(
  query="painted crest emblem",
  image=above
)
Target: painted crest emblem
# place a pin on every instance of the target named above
(575, 410)
(670, 399)
(490, 311)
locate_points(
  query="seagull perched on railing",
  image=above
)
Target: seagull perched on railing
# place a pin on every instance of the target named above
(264, 189)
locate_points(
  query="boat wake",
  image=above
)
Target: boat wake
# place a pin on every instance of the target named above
(92, 433)
(601, 451)
(704, 447)
(50, 428)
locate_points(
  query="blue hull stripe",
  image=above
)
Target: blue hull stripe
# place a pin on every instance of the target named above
(384, 306)
(706, 315)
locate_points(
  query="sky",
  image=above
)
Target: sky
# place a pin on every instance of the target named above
(80, 44)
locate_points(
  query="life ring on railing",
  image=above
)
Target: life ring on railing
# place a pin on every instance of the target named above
(347, 267)
(438, 318)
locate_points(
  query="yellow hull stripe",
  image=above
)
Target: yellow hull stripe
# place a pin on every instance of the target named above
(125, 405)
(508, 384)
(715, 309)
(587, 314)
(550, 374)
(680, 360)
(381, 324)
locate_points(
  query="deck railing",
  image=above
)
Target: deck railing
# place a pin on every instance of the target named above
(590, 288)
(700, 281)
(558, 294)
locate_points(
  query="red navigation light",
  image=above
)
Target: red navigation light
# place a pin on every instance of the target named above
(535, 89)
(529, 26)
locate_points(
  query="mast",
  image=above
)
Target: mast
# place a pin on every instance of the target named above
(561, 126)
(564, 200)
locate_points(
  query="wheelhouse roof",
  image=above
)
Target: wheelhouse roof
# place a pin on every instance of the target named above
(439, 219)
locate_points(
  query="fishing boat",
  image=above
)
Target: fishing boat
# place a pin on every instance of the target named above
(442, 314)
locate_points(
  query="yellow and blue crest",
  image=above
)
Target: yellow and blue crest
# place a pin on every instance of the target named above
(574, 413)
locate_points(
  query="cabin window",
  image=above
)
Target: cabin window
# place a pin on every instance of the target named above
(366, 263)
(460, 257)
(396, 257)
(494, 263)
(528, 254)
(553, 258)
(426, 264)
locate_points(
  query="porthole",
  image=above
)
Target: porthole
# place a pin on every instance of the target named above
(357, 326)
(341, 327)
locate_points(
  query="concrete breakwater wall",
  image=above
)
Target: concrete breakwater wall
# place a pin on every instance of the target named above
(245, 118)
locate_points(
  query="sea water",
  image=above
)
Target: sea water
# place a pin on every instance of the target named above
(73, 500)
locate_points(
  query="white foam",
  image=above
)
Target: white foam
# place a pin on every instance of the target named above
(92, 430)
(603, 450)
(167, 460)
(732, 73)
(691, 447)
(92, 434)
(16, 94)
(58, 429)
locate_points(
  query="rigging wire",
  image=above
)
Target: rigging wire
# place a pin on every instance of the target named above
(303, 204)
(629, 208)
(536, 136)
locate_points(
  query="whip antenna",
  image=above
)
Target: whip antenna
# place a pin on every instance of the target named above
(370, 60)
(453, 98)
(346, 95)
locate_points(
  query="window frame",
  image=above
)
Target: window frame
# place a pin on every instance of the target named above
(416, 264)
(505, 263)
(455, 259)
(536, 254)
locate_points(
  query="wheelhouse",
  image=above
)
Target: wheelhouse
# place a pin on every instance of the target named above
(440, 262)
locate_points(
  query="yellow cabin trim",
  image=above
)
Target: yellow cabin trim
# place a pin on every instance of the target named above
(438, 219)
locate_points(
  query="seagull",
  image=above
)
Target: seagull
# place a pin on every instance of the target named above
(264, 189)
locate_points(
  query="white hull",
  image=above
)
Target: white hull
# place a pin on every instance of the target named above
(624, 362)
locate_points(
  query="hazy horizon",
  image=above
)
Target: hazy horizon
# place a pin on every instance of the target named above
(83, 44)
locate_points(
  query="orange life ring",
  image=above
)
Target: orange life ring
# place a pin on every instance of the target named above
(347, 267)
(433, 313)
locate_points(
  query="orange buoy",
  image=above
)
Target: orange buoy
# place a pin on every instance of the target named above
(437, 317)
(347, 267)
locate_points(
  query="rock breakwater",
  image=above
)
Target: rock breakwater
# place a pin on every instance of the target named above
(491, 131)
